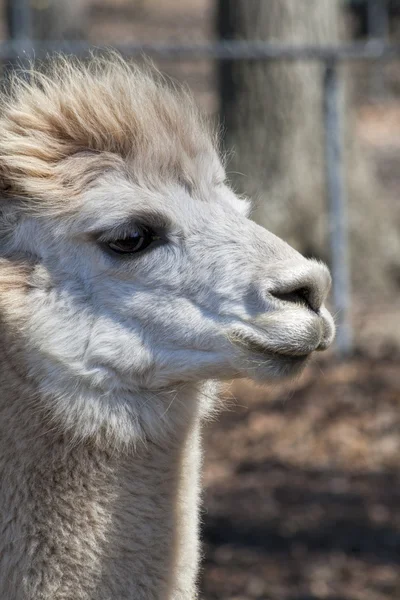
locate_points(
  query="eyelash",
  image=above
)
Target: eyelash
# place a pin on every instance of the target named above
(140, 239)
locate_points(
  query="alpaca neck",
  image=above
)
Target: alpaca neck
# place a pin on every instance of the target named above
(78, 521)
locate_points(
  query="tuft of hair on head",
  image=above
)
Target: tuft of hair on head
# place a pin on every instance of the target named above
(66, 121)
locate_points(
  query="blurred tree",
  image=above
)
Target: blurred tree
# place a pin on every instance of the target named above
(273, 115)
(273, 110)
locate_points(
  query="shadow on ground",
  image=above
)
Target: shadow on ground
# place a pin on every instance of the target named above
(303, 489)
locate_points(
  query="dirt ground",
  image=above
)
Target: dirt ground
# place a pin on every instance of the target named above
(303, 487)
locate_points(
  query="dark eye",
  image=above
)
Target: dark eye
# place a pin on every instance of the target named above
(136, 242)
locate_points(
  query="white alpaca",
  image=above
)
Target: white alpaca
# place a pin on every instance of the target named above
(130, 279)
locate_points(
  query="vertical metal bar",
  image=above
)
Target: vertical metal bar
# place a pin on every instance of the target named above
(19, 25)
(378, 19)
(19, 19)
(225, 30)
(378, 31)
(338, 221)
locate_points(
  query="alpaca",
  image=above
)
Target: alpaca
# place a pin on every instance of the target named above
(131, 283)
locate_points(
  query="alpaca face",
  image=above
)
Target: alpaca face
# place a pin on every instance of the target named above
(149, 288)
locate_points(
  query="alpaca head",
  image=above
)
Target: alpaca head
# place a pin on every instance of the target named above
(142, 270)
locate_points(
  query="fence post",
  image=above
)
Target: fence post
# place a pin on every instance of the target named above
(378, 28)
(338, 221)
(19, 25)
(19, 19)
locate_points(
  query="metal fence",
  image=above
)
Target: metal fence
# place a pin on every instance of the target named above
(20, 46)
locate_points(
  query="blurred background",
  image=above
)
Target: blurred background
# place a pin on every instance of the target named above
(302, 479)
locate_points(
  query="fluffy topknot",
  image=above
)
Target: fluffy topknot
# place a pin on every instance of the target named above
(65, 123)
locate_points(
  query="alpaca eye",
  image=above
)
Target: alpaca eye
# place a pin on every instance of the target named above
(136, 242)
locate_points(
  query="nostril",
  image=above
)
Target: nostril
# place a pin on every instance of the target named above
(304, 283)
(303, 295)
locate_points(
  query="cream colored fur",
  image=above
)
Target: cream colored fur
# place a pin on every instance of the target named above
(108, 363)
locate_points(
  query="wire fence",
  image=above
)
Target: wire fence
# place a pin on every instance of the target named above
(20, 46)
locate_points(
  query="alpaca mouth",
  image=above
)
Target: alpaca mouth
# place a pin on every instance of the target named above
(291, 357)
(281, 343)
(263, 361)
(293, 335)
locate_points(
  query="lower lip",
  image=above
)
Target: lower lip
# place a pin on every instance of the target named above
(295, 360)
(259, 349)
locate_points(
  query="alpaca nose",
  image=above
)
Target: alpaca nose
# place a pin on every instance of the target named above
(308, 285)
